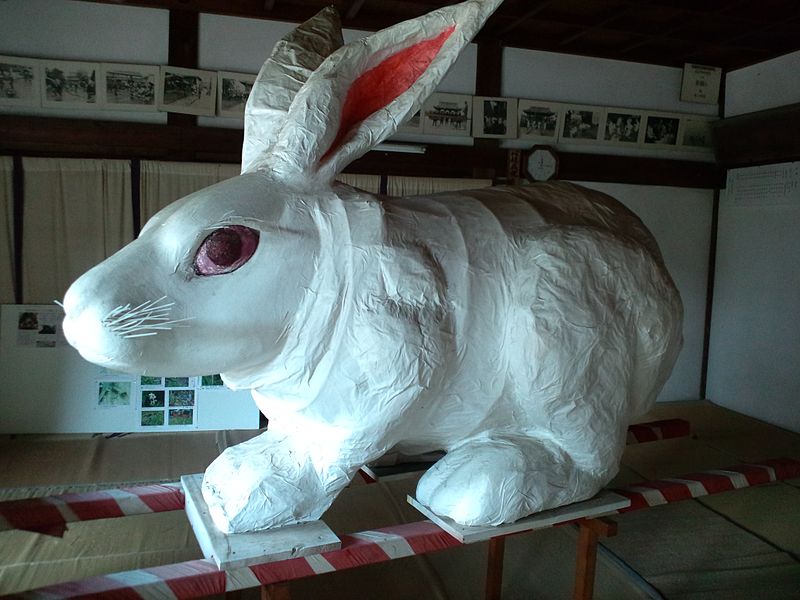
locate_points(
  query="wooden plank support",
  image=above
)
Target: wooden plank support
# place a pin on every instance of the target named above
(589, 533)
(768, 136)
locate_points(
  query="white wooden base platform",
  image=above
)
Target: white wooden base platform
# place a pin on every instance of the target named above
(605, 503)
(233, 550)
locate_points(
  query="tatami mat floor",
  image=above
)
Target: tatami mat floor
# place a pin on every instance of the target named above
(742, 544)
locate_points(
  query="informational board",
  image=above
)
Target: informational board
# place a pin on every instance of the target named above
(47, 387)
(754, 343)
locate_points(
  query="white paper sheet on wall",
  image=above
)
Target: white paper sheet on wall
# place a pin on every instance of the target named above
(48, 388)
(773, 185)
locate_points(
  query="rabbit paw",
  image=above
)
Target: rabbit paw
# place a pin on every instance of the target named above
(499, 480)
(262, 483)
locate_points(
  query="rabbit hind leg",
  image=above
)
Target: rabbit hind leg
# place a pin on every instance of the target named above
(502, 478)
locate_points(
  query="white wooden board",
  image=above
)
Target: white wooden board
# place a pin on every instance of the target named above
(603, 504)
(236, 550)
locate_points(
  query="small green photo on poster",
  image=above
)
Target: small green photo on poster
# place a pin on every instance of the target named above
(153, 399)
(113, 393)
(148, 380)
(152, 418)
(211, 380)
(181, 398)
(181, 416)
(176, 382)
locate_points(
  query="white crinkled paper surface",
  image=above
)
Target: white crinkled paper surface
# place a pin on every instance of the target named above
(518, 328)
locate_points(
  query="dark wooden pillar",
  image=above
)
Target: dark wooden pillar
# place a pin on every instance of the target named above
(488, 82)
(183, 51)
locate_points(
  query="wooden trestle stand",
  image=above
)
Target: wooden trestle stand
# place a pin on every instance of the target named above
(587, 515)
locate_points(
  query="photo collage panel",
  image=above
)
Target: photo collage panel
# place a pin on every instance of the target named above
(167, 402)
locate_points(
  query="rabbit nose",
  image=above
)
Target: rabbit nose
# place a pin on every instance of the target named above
(84, 329)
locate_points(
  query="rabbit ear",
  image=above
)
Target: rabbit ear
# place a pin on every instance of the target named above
(366, 89)
(292, 61)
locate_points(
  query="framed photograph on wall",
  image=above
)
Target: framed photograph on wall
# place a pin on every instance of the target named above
(413, 124)
(67, 84)
(661, 129)
(494, 117)
(539, 120)
(447, 114)
(188, 91)
(695, 134)
(623, 126)
(129, 87)
(233, 89)
(582, 123)
(20, 81)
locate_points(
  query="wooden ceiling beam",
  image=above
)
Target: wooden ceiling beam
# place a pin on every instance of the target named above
(608, 19)
(523, 18)
(763, 137)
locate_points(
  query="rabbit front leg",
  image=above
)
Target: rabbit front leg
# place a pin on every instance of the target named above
(275, 479)
(500, 478)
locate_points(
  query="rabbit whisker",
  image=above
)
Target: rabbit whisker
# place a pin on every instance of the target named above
(146, 319)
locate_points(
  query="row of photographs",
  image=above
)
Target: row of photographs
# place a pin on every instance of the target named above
(113, 86)
(51, 83)
(543, 121)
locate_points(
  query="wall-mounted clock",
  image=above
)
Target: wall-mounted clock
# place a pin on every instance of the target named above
(542, 163)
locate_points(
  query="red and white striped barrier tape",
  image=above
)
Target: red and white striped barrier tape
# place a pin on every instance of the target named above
(199, 578)
(51, 514)
(705, 483)
(658, 430)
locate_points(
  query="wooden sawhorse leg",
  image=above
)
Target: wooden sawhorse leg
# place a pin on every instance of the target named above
(494, 568)
(275, 591)
(590, 532)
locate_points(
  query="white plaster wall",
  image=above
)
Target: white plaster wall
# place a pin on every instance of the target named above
(579, 79)
(766, 85)
(574, 79)
(84, 31)
(755, 336)
(680, 220)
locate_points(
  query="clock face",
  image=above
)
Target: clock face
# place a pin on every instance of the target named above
(542, 164)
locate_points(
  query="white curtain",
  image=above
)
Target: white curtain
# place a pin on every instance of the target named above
(418, 186)
(77, 213)
(6, 230)
(368, 183)
(164, 182)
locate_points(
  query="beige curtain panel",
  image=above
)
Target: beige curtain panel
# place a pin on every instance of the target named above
(164, 182)
(368, 183)
(77, 213)
(6, 230)
(419, 186)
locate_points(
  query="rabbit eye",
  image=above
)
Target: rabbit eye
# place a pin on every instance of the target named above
(225, 250)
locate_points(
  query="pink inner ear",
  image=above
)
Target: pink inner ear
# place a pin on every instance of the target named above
(380, 85)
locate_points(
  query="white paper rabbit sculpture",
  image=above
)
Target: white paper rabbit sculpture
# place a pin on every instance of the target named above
(518, 328)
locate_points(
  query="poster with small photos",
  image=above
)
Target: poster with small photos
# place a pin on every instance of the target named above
(167, 403)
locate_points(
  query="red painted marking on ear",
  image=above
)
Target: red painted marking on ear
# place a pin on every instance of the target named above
(380, 85)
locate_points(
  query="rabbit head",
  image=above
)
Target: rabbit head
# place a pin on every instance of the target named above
(231, 277)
